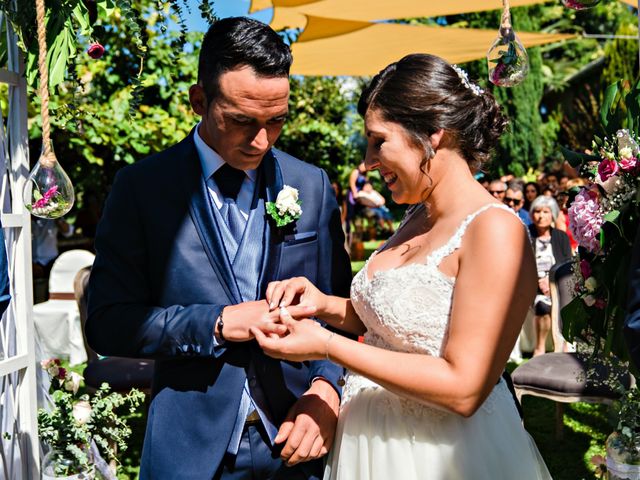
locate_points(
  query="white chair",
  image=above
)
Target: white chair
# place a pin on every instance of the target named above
(57, 321)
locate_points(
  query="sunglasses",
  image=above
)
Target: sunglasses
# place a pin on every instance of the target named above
(515, 201)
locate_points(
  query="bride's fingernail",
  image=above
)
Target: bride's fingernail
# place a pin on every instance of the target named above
(272, 305)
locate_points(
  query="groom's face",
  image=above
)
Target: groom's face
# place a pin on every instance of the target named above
(246, 117)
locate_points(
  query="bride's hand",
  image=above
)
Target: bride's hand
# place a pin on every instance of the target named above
(296, 290)
(306, 340)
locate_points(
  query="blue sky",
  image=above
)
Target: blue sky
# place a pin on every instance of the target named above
(224, 8)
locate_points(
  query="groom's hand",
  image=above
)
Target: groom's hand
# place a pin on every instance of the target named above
(310, 425)
(238, 319)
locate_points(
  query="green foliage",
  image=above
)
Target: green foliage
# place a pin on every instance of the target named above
(323, 127)
(96, 130)
(621, 55)
(74, 421)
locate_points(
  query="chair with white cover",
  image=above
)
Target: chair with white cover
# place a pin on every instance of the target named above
(57, 321)
(561, 376)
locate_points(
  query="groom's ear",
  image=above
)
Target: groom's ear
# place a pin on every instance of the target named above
(198, 99)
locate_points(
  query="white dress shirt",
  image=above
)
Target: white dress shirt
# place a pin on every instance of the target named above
(211, 162)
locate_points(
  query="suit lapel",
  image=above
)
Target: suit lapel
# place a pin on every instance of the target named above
(201, 212)
(272, 176)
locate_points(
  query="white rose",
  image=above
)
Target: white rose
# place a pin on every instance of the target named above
(82, 411)
(72, 382)
(625, 152)
(287, 201)
(589, 300)
(287, 196)
(295, 210)
(591, 284)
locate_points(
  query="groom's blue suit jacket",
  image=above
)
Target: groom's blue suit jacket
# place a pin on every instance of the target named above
(161, 278)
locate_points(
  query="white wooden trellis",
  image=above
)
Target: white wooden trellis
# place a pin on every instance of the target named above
(19, 446)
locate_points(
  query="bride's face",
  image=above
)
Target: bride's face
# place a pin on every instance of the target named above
(391, 151)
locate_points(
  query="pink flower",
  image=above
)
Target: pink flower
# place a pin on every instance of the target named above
(95, 51)
(585, 269)
(607, 168)
(585, 219)
(41, 203)
(573, 4)
(50, 193)
(496, 75)
(600, 304)
(628, 165)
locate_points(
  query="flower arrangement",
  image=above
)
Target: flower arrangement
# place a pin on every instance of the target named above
(51, 204)
(603, 217)
(79, 427)
(287, 208)
(507, 67)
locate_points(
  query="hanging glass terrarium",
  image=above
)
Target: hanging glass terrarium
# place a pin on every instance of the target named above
(507, 58)
(48, 192)
(580, 4)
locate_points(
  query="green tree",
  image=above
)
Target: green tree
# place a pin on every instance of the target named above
(323, 127)
(98, 126)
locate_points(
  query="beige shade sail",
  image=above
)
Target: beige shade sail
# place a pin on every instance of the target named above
(291, 13)
(362, 48)
(259, 5)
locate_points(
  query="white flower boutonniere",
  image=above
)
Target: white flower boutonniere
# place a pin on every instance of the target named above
(286, 209)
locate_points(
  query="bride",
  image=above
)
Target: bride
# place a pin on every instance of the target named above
(440, 304)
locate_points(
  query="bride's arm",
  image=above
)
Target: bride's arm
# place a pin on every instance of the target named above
(495, 285)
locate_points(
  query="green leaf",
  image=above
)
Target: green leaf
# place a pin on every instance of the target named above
(81, 14)
(612, 216)
(576, 159)
(575, 319)
(608, 101)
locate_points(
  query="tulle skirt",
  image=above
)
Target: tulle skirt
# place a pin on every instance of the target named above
(382, 436)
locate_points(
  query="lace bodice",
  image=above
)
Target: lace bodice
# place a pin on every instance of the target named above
(407, 308)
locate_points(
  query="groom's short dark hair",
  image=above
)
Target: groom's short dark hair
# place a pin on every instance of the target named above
(234, 42)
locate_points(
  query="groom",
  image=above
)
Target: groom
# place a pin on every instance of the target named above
(185, 251)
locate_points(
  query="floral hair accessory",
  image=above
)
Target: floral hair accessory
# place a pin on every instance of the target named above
(286, 209)
(464, 77)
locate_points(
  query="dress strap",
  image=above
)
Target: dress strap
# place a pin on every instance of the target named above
(455, 241)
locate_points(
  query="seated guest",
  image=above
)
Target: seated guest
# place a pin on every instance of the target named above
(531, 192)
(372, 199)
(498, 189)
(551, 246)
(514, 199)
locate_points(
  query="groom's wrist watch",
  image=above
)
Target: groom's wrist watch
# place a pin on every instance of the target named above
(218, 326)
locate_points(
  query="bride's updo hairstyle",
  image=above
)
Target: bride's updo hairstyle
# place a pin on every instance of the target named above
(424, 94)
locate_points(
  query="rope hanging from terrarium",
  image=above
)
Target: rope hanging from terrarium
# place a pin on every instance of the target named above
(505, 21)
(47, 159)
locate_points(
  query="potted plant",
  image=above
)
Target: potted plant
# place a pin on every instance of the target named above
(604, 217)
(83, 433)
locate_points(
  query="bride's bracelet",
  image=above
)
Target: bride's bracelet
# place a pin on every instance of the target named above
(326, 345)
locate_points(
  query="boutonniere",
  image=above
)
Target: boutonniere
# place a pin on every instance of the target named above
(286, 209)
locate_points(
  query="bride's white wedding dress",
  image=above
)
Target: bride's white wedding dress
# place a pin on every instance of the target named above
(384, 436)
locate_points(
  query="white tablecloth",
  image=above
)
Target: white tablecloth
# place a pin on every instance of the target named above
(58, 330)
